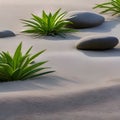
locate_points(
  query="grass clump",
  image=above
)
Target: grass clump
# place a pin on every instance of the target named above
(47, 25)
(112, 6)
(19, 66)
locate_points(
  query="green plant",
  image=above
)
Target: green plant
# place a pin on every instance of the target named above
(112, 6)
(19, 66)
(49, 24)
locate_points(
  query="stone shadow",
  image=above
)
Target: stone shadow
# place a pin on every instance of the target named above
(105, 53)
(107, 26)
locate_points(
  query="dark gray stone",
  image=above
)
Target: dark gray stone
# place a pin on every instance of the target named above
(6, 33)
(97, 43)
(84, 19)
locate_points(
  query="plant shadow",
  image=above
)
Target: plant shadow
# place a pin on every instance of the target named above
(59, 37)
(40, 83)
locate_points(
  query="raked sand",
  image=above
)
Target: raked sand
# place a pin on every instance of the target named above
(86, 84)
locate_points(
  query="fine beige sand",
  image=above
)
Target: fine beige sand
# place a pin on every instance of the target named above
(86, 84)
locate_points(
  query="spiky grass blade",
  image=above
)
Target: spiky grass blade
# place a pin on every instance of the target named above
(17, 56)
(36, 55)
(32, 67)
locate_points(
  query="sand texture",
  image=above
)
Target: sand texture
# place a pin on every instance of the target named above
(86, 84)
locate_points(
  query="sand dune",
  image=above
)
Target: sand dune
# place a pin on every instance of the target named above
(92, 104)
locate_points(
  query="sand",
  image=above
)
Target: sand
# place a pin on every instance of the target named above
(86, 84)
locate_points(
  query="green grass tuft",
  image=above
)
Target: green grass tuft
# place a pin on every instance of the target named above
(19, 66)
(113, 6)
(47, 25)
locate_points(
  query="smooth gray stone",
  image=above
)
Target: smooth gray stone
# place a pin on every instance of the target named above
(6, 33)
(84, 19)
(97, 43)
